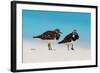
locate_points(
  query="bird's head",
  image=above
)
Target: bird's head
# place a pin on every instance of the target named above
(58, 31)
(74, 31)
(75, 34)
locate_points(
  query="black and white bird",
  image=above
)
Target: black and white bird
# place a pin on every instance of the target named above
(70, 39)
(49, 35)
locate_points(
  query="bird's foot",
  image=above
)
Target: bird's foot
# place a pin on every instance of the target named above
(49, 49)
(72, 48)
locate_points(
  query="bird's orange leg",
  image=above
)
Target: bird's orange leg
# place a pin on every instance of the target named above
(72, 47)
(68, 47)
(49, 46)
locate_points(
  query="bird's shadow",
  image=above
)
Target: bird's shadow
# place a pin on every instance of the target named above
(53, 50)
(32, 49)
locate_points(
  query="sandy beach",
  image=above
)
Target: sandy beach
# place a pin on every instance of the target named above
(37, 51)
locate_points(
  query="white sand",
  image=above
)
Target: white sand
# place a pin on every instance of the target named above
(37, 51)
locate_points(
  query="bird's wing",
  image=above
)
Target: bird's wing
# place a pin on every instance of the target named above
(42, 35)
(48, 35)
(47, 32)
(66, 39)
(68, 36)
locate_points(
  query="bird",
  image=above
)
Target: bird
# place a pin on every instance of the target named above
(49, 35)
(70, 38)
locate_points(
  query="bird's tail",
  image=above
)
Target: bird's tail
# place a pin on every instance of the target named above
(36, 36)
(60, 42)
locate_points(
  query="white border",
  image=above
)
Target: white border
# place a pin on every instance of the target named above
(21, 66)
